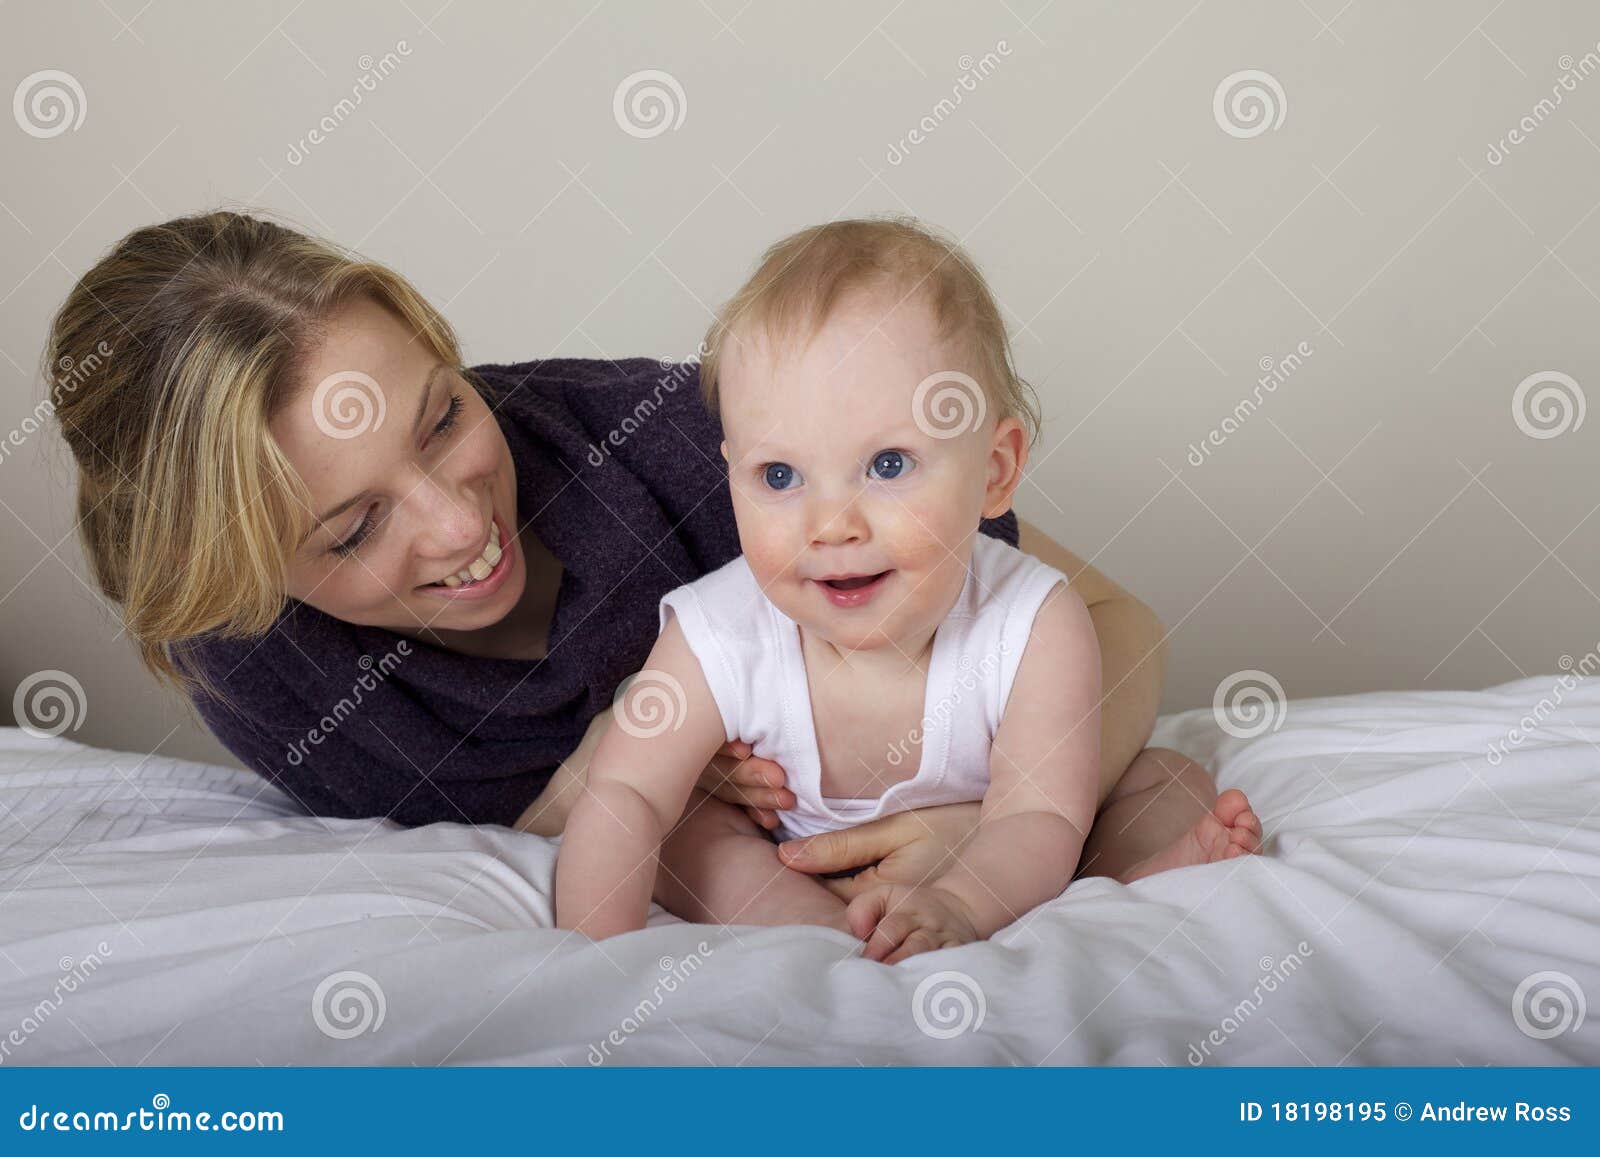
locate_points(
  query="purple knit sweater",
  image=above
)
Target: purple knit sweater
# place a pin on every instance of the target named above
(619, 473)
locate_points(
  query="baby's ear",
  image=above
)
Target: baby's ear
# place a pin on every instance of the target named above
(1007, 456)
(725, 450)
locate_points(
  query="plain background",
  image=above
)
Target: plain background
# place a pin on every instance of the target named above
(1382, 521)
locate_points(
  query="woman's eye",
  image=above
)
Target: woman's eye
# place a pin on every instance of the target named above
(780, 475)
(362, 533)
(451, 414)
(888, 464)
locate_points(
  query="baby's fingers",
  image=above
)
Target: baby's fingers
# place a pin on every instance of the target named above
(921, 940)
(889, 936)
(870, 919)
(864, 912)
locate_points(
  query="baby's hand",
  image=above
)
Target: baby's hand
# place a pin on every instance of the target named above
(898, 920)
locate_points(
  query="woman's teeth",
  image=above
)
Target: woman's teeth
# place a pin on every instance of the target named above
(480, 567)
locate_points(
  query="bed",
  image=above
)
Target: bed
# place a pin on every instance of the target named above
(1429, 894)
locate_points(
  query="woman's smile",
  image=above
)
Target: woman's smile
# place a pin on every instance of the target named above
(486, 574)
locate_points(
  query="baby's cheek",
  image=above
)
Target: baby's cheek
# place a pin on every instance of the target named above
(931, 529)
(767, 553)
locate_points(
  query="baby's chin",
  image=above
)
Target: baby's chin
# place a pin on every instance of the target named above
(842, 630)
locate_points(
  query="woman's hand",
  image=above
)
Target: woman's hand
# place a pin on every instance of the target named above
(910, 848)
(733, 774)
(753, 783)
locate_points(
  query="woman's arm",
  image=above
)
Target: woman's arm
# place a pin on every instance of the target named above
(1133, 654)
(733, 774)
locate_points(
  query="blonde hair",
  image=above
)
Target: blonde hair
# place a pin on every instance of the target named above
(187, 509)
(805, 276)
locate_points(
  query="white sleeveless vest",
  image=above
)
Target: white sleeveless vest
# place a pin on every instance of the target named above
(750, 653)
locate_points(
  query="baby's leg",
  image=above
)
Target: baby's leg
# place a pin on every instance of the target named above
(719, 867)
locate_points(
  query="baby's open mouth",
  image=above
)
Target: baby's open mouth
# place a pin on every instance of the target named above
(850, 584)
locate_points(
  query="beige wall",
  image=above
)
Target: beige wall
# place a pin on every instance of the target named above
(1381, 521)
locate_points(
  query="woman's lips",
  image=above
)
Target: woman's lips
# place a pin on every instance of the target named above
(853, 592)
(490, 583)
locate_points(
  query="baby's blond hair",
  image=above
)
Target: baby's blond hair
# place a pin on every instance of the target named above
(805, 276)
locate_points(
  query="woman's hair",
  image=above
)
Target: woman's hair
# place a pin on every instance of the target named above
(804, 277)
(197, 330)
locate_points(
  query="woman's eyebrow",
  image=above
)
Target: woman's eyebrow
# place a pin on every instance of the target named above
(416, 423)
(427, 394)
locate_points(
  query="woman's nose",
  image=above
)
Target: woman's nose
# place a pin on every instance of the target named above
(452, 521)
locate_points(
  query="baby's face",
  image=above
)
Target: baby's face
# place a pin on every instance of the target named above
(839, 471)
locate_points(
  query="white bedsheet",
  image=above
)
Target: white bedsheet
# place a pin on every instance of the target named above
(1425, 882)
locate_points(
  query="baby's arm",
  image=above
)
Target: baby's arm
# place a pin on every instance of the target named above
(666, 727)
(1044, 771)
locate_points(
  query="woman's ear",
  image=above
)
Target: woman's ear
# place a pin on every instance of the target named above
(1008, 454)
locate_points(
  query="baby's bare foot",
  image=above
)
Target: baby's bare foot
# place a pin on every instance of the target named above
(1229, 829)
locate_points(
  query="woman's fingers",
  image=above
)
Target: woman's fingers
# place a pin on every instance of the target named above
(748, 782)
(746, 769)
(846, 847)
(767, 819)
(847, 888)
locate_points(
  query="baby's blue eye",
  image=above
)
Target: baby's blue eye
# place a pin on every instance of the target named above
(779, 475)
(889, 464)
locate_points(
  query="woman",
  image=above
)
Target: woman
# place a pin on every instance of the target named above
(397, 587)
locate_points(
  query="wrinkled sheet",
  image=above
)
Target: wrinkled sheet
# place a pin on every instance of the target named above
(1417, 902)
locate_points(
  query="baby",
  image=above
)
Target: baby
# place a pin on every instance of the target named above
(869, 639)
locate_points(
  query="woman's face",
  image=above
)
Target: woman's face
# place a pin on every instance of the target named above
(411, 481)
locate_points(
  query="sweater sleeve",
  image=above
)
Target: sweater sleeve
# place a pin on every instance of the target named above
(350, 752)
(239, 727)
